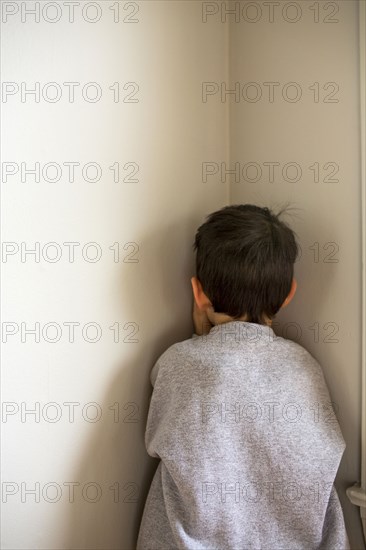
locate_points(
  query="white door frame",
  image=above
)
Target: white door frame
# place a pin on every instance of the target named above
(357, 493)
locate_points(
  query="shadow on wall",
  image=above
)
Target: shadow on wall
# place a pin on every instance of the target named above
(113, 459)
(114, 471)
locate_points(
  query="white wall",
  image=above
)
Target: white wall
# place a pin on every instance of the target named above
(169, 133)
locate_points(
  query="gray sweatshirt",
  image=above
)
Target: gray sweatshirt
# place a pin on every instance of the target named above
(249, 443)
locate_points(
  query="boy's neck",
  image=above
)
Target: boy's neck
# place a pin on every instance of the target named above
(220, 318)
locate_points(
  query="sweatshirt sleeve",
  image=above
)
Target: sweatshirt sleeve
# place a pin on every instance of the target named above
(154, 372)
(165, 358)
(158, 414)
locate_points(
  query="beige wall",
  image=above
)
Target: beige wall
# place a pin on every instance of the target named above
(327, 304)
(168, 50)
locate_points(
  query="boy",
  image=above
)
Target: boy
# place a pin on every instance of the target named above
(242, 419)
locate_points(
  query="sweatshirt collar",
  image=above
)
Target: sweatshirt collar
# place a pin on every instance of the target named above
(243, 331)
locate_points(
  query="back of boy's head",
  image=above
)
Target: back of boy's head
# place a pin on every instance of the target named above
(245, 261)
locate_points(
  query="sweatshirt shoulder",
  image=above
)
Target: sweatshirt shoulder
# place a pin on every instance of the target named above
(174, 356)
(295, 354)
(182, 346)
(178, 352)
(294, 348)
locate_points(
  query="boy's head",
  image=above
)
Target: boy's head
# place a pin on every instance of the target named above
(244, 264)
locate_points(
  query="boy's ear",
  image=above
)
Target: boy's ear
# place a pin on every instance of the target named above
(199, 296)
(291, 293)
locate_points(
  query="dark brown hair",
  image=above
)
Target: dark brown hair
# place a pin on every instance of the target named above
(245, 260)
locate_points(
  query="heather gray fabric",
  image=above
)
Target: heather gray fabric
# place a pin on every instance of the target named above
(249, 444)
